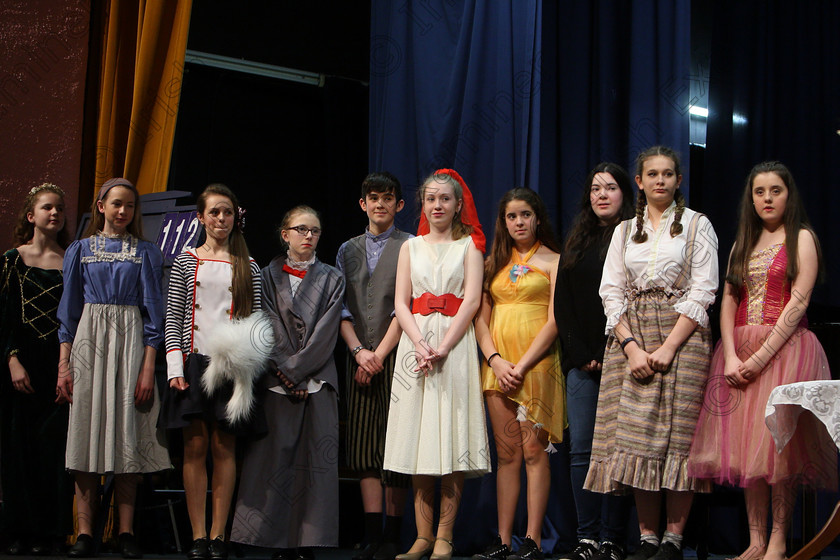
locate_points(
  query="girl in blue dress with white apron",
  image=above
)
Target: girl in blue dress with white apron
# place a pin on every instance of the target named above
(111, 315)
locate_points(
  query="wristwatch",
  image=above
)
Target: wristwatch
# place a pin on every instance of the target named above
(357, 349)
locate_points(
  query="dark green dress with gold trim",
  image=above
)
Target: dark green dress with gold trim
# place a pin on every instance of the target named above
(37, 491)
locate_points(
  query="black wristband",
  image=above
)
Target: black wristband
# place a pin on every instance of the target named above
(627, 341)
(491, 356)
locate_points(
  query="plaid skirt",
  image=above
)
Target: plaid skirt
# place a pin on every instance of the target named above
(644, 428)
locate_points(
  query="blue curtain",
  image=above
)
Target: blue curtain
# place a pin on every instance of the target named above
(622, 84)
(455, 83)
(523, 93)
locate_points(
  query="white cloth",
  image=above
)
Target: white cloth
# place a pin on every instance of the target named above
(787, 402)
(436, 422)
(294, 281)
(659, 262)
(213, 300)
(312, 386)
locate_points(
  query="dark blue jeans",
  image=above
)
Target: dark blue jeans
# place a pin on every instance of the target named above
(600, 517)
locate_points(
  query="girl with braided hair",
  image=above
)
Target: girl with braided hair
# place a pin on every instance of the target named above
(660, 276)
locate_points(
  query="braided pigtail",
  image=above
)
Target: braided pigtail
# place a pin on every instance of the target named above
(641, 202)
(676, 225)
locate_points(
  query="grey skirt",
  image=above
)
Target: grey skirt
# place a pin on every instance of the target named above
(108, 433)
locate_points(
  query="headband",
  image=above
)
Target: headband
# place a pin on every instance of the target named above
(115, 182)
(469, 215)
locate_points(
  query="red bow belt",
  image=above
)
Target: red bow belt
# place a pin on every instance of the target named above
(447, 304)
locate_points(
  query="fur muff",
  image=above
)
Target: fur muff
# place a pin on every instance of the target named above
(239, 352)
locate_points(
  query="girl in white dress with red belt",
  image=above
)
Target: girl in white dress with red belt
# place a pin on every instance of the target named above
(436, 420)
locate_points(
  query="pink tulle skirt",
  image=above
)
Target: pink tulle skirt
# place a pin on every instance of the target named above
(732, 445)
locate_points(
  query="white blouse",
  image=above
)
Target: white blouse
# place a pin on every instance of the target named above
(660, 262)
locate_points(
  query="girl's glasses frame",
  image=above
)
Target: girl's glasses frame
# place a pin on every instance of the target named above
(303, 230)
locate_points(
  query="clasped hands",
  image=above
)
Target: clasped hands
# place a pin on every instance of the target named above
(508, 375)
(739, 373)
(295, 394)
(427, 356)
(369, 364)
(643, 364)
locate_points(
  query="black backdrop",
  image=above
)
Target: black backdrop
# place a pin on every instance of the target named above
(775, 94)
(278, 143)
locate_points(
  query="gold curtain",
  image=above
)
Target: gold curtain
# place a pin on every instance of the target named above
(143, 48)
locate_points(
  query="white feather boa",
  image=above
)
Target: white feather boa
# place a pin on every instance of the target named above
(239, 351)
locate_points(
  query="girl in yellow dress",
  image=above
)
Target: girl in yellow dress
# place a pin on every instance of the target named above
(522, 381)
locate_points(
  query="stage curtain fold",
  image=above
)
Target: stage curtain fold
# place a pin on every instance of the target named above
(622, 76)
(456, 84)
(144, 45)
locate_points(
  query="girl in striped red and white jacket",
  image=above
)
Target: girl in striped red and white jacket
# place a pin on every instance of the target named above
(214, 292)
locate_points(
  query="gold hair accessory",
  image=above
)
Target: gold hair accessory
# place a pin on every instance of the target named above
(44, 186)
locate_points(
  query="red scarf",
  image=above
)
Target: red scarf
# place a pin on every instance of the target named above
(469, 215)
(294, 271)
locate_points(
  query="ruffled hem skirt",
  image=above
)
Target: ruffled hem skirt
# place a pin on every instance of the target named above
(643, 428)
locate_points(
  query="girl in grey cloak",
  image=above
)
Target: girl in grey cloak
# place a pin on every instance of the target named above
(289, 484)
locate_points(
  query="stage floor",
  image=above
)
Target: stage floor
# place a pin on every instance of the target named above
(323, 554)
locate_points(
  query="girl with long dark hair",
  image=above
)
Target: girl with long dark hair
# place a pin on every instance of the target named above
(765, 342)
(522, 381)
(607, 199)
(209, 284)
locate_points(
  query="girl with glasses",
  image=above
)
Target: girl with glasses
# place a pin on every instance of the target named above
(289, 484)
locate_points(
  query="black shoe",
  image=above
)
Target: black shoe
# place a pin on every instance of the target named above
(496, 550)
(647, 550)
(609, 551)
(528, 550)
(386, 551)
(367, 552)
(584, 551)
(128, 546)
(284, 554)
(83, 547)
(200, 549)
(42, 547)
(305, 553)
(668, 551)
(218, 549)
(17, 548)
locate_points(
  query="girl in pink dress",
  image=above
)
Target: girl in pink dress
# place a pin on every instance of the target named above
(765, 343)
